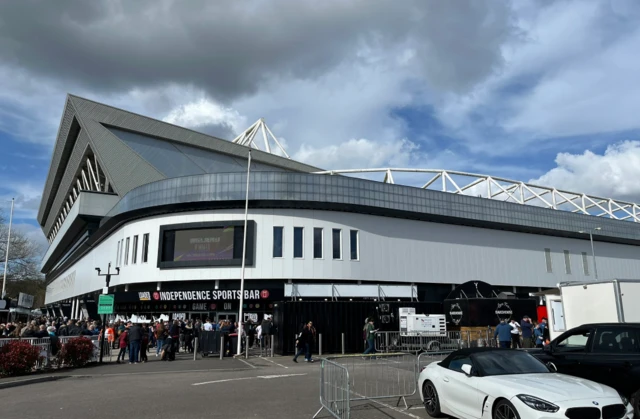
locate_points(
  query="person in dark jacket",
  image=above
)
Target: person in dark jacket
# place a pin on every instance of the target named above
(503, 333)
(135, 336)
(174, 332)
(305, 342)
(144, 343)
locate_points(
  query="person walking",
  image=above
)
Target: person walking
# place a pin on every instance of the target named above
(503, 333)
(370, 334)
(305, 342)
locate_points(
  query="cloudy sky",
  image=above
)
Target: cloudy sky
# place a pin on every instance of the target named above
(539, 90)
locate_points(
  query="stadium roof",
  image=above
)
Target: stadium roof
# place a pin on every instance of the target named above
(109, 150)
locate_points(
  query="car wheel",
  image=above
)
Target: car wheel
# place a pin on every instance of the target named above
(505, 410)
(434, 346)
(431, 400)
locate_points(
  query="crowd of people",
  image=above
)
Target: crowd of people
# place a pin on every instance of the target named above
(43, 327)
(526, 334)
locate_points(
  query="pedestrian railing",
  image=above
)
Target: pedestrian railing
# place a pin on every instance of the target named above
(48, 360)
(335, 394)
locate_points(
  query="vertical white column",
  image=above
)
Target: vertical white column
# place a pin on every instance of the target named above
(73, 308)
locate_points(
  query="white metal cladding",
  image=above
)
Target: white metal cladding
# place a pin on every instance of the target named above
(350, 290)
(493, 187)
(390, 250)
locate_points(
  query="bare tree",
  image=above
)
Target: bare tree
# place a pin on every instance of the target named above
(23, 273)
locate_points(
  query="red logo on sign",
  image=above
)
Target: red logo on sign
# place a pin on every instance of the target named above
(156, 295)
(213, 306)
(264, 294)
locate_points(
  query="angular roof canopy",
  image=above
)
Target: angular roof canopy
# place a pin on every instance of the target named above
(121, 150)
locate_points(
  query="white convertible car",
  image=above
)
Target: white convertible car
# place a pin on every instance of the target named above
(487, 383)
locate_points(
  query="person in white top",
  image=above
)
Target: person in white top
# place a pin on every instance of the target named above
(259, 335)
(515, 334)
(208, 327)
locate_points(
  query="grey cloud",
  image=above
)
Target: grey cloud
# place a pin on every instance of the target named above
(231, 48)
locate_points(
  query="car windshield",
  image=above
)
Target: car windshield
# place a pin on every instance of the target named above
(504, 362)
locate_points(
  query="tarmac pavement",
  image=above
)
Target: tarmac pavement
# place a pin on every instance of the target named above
(262, 388)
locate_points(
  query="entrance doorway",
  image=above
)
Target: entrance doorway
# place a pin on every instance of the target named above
(232, 317)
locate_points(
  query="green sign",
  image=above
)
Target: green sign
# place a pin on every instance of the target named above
(105, 304)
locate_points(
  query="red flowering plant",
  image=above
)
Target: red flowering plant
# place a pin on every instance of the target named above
(18, 357)
(77, 352)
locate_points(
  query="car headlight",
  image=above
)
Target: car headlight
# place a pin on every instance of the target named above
(538, 404)
(625, 401)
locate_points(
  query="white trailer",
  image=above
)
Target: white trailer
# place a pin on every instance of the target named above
(578, 303)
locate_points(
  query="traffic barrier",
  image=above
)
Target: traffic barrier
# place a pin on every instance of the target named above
(335, 394)
(426, 358)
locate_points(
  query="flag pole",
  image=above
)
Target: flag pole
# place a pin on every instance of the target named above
(6, 256)
(244, 254)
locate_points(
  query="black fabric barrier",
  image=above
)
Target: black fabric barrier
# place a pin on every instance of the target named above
(209, 343)
(332, 318)
(484, 312)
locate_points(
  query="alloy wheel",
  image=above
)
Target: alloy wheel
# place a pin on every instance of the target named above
(504, 411)
(430, 398)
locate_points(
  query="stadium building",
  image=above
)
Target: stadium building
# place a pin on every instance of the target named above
(166, 206)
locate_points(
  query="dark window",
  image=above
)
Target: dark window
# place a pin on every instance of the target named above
(456, 363)
(317, 243)
(567, 262)
(298, 233)
(118, 254)
(134, 254)
(126, 252)
(336, 235)
(547, 258)
(277, 241)
(145, 248)
(616, 341)
(217, 243)
(507, 363)
(354, 245)
(575, 342)
(585, 264)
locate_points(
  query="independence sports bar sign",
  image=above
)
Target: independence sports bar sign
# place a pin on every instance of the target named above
(207, 295)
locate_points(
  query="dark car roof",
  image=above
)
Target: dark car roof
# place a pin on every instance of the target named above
(627, 325)
(469, 352)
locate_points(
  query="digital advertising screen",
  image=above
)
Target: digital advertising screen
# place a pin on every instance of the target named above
(204, 244)
(212, 243)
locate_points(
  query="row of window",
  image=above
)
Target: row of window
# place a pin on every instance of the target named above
(567, 262)
(318, 243)
(122, 255)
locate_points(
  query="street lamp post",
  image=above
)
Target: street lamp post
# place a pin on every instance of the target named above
(244, 255)
(6, 256)
(593, 253)
(104, 316)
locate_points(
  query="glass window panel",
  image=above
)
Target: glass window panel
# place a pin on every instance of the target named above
(145, 248)
(354, 245)
(298, 233)
(317, 243)
(277, 241)
(337, 243)
(134, 255)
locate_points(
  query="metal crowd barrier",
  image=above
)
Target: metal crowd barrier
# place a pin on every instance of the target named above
(48, 360)
(334, 390)
(433, 342)
(396, 342)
